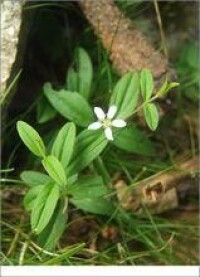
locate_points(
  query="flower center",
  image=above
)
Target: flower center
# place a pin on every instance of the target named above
(107, 123)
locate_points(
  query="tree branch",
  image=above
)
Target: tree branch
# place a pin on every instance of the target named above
(128, 49)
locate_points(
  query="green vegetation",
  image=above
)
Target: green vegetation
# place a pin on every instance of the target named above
(59, 202)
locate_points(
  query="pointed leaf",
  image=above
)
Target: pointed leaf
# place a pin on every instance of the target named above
(125, 95)
(166, 87)
(72, 80)
(44, 206)
(146, 83)
(45, 111)
(81, 79)
(151, 116)
(88, 187)
(31, 138)
(55, 170)
(49, 237)
(64, 144)
(31, 196)
(133, 140)
(96, 205)
(72, 106)
(84, 72)
(88, 146)
(34, 178)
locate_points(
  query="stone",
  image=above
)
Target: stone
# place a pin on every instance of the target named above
(11, 11)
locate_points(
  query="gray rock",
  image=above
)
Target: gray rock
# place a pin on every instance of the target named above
(11, 11)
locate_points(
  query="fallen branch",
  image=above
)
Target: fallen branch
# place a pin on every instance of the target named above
(127, 47)
(160, 192)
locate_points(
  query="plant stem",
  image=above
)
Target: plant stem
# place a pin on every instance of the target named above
(101, 169)
(3, 180)
(22, 253)
(144, 103)
(163, 40)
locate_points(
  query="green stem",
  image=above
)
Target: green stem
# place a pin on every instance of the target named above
(101, 169)
(144, 103)
(128, 175)
(7, 170)
(2, 180)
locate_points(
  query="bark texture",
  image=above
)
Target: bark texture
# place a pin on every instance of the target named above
(127, 47)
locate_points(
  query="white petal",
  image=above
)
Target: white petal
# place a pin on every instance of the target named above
(119, 123)
(111, 111)
(99, 113)
(95, 126)
(108, 133)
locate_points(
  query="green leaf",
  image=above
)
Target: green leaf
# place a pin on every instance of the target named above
(88, 187)
(49, 237)
(172, 85)
(166, 87)
(188, 57)
(31, 138)
(45, 111)
(84, 72)
(151, 116)
(132, 140)
(44, 206)
(88, 146)
(96, 205)
(72, 179)
(125, 95)
(72, 106)
(163, 88)
(64, 144)
(55, 169)
(72, 80)
(34, 178)
(146, 83)
(81, 79)
(30, 197)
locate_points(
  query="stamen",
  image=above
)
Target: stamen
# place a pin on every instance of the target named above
(106, 123)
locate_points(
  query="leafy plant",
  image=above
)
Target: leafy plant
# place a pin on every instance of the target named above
(188, 70)
(125, 94)
(31, 139)
(76, 149)
(80, 79)
(71, 105)
(45, 111)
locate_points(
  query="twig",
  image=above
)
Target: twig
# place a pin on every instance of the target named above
(163, 40)
(22, 253)
(27, 237)
(159, 192)
(14, 241)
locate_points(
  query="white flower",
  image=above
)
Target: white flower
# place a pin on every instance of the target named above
(106, 121)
